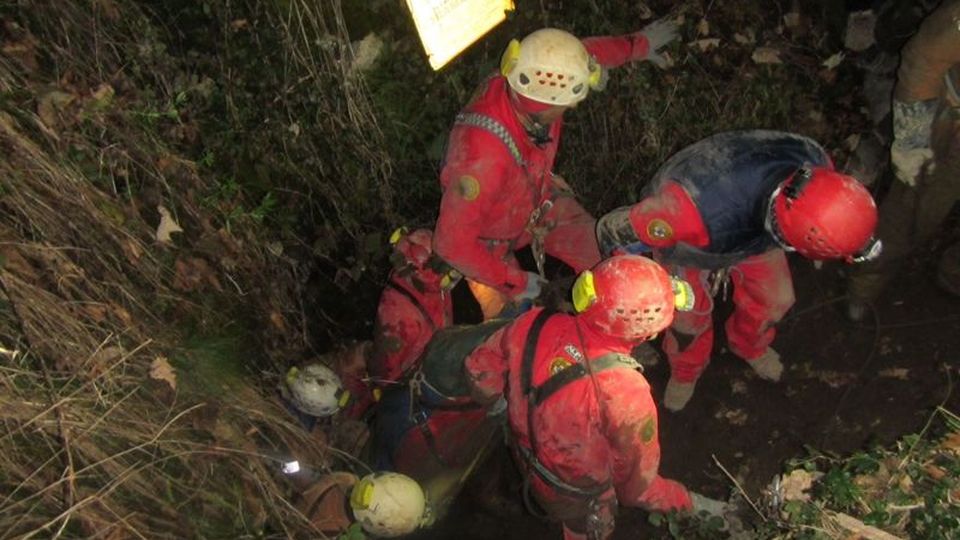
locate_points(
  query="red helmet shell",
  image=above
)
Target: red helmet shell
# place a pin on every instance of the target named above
(416, 247)
(824, 214)
(634, 298)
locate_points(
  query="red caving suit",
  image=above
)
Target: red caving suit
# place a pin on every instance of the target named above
(412, 308)
(596, 433)
(491, 192)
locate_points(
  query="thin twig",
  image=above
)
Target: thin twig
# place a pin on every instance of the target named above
(739, 487)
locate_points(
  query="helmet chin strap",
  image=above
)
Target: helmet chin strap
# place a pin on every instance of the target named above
(538, 131)
(770, 222)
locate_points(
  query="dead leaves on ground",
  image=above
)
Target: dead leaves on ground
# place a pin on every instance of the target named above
(796, 485)
(161, 370)
(167, 226)
(193, 273)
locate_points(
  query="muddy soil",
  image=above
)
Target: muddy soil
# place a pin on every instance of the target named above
(846, 387)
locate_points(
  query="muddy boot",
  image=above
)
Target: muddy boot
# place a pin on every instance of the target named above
(678, 394)
(646, 355)
(767, 365)
(948, 270)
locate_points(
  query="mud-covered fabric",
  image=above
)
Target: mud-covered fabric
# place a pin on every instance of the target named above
(442, 365)
(927, 59)
(762, 294)
(489, 197)
(911, 215)
(407, 317)
(916, 206)
(493, 203)
(729, 177)
(593, 430)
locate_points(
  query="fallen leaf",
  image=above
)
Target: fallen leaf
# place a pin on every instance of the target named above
(706, 44)
(766, 55)
(25, 51)
(859, 35)
(161, 370)
(277, 320)
(703, 27)
(193, 272)
(796, 484)
(744, 39)
(737, 417)
(852, 142)
(791, 20)
(133, 250)
(937, 473)
(50, 106)
(102, 96)
(122, 315)
(833, 61)
(895, 373)
(97, 312)
(952, 443)
(167, 225)
(834, 379)
(238, 24)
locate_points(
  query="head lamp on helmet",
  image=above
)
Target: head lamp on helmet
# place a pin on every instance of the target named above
(629, 297)
(823, 214)
(550, 66)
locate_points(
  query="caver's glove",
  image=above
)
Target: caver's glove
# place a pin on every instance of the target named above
(706, 507)
(615, 232)
(910, 150)
(657, 35)
(532, 290)
(523, 301)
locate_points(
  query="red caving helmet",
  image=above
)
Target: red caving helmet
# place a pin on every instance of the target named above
(413, 258)
(414, 247)
(824, 214)
(628, 297)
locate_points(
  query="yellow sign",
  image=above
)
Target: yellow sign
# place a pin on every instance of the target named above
(447, 27)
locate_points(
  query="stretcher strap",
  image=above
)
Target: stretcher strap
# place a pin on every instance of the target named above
(531, 392)
(574, 372)
(413, 300)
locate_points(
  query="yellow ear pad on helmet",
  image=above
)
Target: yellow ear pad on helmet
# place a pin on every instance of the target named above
(683, 296)
(343, 398)
(362, 494)
(450, 279)
(596, 73)
(397, 235)
(510, 56)
(584, 292)
(292, 375)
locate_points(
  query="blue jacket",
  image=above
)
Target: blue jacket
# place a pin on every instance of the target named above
(730, 177)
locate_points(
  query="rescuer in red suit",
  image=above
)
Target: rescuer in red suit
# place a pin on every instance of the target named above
(415, 303)
(725, 209)
(583, 423)
(499, 190)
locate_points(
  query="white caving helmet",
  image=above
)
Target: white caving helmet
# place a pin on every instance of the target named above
(388, 504)
(550, 66)
(315, 390)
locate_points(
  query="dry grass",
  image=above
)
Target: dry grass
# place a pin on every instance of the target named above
(90, 145)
